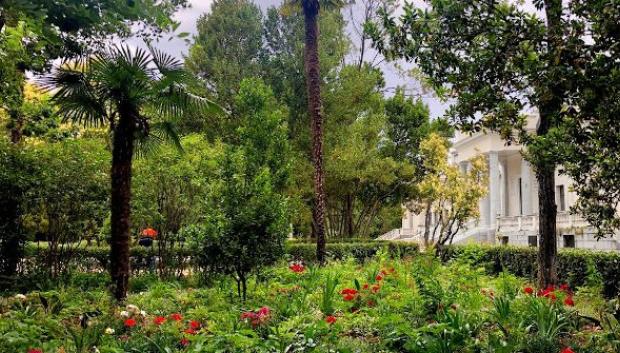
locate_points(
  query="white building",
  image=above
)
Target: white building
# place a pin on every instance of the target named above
(509, 213)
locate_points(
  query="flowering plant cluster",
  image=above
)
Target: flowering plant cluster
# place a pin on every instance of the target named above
(551, 292)
(258, 317)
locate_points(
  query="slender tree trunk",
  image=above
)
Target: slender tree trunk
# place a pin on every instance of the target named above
(122, 153)
(427, 224)
(349, 229)
(313, 83)
(549, 109)
(18, 126)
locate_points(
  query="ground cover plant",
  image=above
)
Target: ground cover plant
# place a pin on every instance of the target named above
(382, 305)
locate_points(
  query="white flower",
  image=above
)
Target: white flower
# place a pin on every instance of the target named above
(143, 313)
(20, 297)
(95, 349)
(109, 331)
(125, 314)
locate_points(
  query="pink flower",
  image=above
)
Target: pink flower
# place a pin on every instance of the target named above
(176, 317)
(35, 350)
(257, 317)
(184, 342)
(330, 319)
(158, 320)
(130, 323)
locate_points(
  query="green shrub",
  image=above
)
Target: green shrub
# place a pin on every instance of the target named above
(521, 261)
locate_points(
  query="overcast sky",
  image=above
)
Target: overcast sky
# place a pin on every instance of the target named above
(188, 17)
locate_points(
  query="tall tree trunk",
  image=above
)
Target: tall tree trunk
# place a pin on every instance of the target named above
(313, 84)
(549, 109)
(122, 153)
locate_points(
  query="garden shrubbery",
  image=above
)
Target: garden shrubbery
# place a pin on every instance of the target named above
(575, 266)
(415, 305)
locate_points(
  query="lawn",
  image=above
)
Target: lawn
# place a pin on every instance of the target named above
(384, 305)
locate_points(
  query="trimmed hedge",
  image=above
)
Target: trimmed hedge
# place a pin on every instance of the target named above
(522, 261)
(360, 251)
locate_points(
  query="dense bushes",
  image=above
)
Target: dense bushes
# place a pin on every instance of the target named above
(573, 264)
(361, 251)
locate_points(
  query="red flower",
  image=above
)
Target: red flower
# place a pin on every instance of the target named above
(348, 297)
(130, 323)
(159, 320)
(184, 342)
(528, 290)
(257, 318)
(375, 288)
(365, 286)
(35, 350)
(569, 301)
(330, 319)
(297, 267)
(190, 331)
(176, 317)
(379, 277)
(194, 324)
(348, 291)
(150, 233)
(567, 350)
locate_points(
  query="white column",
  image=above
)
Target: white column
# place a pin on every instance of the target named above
(526, 187)
(494, 193)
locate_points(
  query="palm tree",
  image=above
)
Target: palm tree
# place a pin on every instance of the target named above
(310, 10)
(137, 94)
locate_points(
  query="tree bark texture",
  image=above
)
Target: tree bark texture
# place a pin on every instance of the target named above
(122, 153)
(313, 83)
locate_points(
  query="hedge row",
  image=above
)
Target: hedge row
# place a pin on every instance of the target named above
(295, 249)
(522, 261)
(360, 251)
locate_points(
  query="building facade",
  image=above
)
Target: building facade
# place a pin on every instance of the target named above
(509, 212)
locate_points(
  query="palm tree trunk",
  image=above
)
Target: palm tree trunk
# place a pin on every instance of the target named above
(122, 153)
(313, 83)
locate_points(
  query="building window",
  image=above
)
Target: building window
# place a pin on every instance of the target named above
(561, 198)
(569, 240)
(532, 240)
(504, 240)
(520, 197)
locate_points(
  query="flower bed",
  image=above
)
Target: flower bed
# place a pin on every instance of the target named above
(385, 305)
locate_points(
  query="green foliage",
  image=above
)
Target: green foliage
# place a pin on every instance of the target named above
(573, 265)
(231, 30)
(400, 318)
(246, 211)
(18, 176)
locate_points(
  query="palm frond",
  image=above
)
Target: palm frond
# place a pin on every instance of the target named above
(159, 133)
(74, 94)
